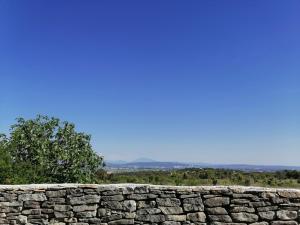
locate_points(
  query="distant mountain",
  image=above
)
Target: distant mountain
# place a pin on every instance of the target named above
(145, 163)
(144, 160)
(118, 162)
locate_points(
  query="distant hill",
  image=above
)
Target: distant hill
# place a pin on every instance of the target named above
(116, 162)
(145, 163)
(144, 160)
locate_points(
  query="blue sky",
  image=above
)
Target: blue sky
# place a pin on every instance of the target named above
(201, 81)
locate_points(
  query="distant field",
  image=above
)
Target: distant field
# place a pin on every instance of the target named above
(287, 178)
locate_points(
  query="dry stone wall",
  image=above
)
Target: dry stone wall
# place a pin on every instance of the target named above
(147, 204)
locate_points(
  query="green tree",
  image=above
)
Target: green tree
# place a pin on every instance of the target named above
(52, 151)
(214, 181)
(249, 181)
(5, 161)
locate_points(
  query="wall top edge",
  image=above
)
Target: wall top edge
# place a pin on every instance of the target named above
(133, 186)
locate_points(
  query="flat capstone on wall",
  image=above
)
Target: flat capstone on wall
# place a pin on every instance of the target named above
(72, 204)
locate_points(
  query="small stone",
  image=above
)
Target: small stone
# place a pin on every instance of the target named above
(217, 211)
(168, 202)
(86, 199)
(113, 198)
(196, 217)
(121, 221)
(62, 208)
(289, 194)
(287, 215)
(269, 215)
(217, 201)
(220, 218)
(56, 194)
(86, 214)
(102, 212)
(244, 217)
(179, 218)
(260, 223)
(221, 223)
(32, 197)
(171, 223)
(82, 208)
(171, 210)
(22, 219)
(284, 223)
(243, 209)
(267, 208)
(63, 214)
(129, 205)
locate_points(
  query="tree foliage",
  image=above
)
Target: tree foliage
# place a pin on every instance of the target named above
(5, 161)
(47, 150)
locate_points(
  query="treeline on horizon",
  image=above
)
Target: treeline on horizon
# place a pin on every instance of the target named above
(47, 150)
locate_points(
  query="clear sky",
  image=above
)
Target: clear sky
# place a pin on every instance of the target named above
(213, 81)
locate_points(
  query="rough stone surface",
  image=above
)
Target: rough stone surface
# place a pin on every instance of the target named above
(75, 204)
(244, 217)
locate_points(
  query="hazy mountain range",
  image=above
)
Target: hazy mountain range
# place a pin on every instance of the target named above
(146, 163)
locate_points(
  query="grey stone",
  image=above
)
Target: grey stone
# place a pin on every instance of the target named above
(141, 196)
(220, 218)
(171, 210)
(151, 218)
(267, 208)
(67, 214)
(196, 217)
(32, 197)
(145, 211)
(62, 208)
(289, 194)
(178, 218)
(86, 214)
(102, 212)
(82, 208)
(260, 223)
(77, 223)
(113, 198)
(222, 223)
(287, 215)
(284, 223)
(216, 211)
(240, 201)
(217, 201)
(22, 219)
(129, 205)
(146, 204)
(31, 212)
(171, 223)
(129, 215)
(86, 199)
(243, 209)
(244, 217)
(168, 202)
(31, 204)
(113, 205)
(56, 194)
(121, 221)
(269, 215)
(141, 189)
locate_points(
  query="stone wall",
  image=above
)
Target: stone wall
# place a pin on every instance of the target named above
(70, 204)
